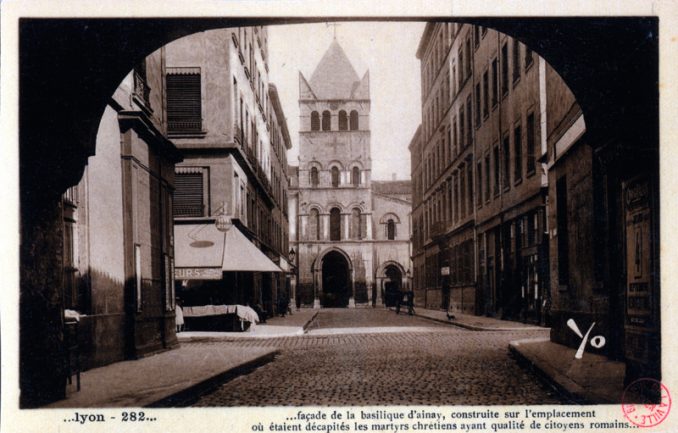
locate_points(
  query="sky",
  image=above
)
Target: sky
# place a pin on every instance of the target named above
(387, 50)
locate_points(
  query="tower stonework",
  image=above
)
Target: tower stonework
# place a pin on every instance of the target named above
(334, 183)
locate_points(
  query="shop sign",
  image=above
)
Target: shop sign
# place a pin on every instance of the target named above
(641, 318)
(197, 273)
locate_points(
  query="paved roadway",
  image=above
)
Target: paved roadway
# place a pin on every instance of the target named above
(375, 357)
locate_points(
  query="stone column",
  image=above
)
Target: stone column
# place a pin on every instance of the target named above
(369, 226)
(317, 288)
(42, 375)
(351, 300)
(346, 224)
(326, 226)
(378, 284)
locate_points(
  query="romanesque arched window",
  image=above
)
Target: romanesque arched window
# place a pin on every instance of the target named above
(355, 176)
(327, 120)
(354, 120)
(314, 225)
(315, 179)
(315, 121)
(335, 177)
(390, 229)
(335, 224)
(355, 224)
(343, 121)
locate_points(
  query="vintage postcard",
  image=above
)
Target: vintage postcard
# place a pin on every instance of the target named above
(338, 216)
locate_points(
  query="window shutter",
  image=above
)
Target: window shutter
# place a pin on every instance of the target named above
(188, 195)
(184, 103)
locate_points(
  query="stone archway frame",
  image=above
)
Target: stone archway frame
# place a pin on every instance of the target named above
(380, 276)
(317, 269)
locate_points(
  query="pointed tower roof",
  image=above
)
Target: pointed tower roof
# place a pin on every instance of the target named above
(334, 77)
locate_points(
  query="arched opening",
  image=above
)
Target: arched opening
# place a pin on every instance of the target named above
(354, 121)
(343, 121)
(327, 121)
(336, 281)
(335, 224)
(355, 176)
(335, 176)
(315, 179)
(390, 229)
(628, 119)
(315, 121)
(393, 283)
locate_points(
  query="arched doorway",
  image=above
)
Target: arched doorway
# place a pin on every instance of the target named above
(336, 281)
(393, 284)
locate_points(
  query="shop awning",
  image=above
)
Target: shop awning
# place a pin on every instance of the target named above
(201, 251)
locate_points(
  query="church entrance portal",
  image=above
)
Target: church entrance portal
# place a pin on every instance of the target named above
(392, 285)
(336, 281)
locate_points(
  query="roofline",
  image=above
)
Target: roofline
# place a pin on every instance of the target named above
(280, 114)
(415, 136)
(425, 38)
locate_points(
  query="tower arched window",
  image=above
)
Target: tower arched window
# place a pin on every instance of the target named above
(343, 121)
(327, 120)
(390, 229)
(315, 180)
(355, 176)
(335, 224)
(354, 120)
(355, 224)
(335, 177)
(315, 121)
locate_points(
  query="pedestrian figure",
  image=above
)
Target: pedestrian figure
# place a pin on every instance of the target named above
(410, 302)
(179, 316)
(399, 299)
(282, 305)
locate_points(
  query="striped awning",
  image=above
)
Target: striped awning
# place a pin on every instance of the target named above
(201, 249)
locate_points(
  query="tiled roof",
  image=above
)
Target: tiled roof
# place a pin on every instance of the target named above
(334, 77)
(388, 187)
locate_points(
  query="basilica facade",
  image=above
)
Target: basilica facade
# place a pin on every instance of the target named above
(350, 235)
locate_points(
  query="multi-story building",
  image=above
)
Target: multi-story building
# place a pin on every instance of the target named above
(118, 243)
(547, 225)
(481, 188)
(351, 235)
(228, 123)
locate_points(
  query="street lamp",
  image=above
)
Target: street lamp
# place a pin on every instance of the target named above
(292, 255)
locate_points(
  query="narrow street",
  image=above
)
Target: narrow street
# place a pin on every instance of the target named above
(375, 357)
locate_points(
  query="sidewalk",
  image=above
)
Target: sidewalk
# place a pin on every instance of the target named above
(173, 376)
(288, 326)
(476, 323)
(594, 379)
(169, 376)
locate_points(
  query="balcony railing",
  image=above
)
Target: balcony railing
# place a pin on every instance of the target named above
(141, 89)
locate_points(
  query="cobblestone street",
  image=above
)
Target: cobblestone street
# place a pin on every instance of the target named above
(385, 359)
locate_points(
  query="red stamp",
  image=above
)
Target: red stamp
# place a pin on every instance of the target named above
(646, 403)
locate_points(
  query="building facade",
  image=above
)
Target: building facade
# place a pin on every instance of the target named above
(518, 212)
(480, 190)
(118, 244)
(227, 121)
(351, 235)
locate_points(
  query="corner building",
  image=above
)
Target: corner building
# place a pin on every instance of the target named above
(339, 257)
